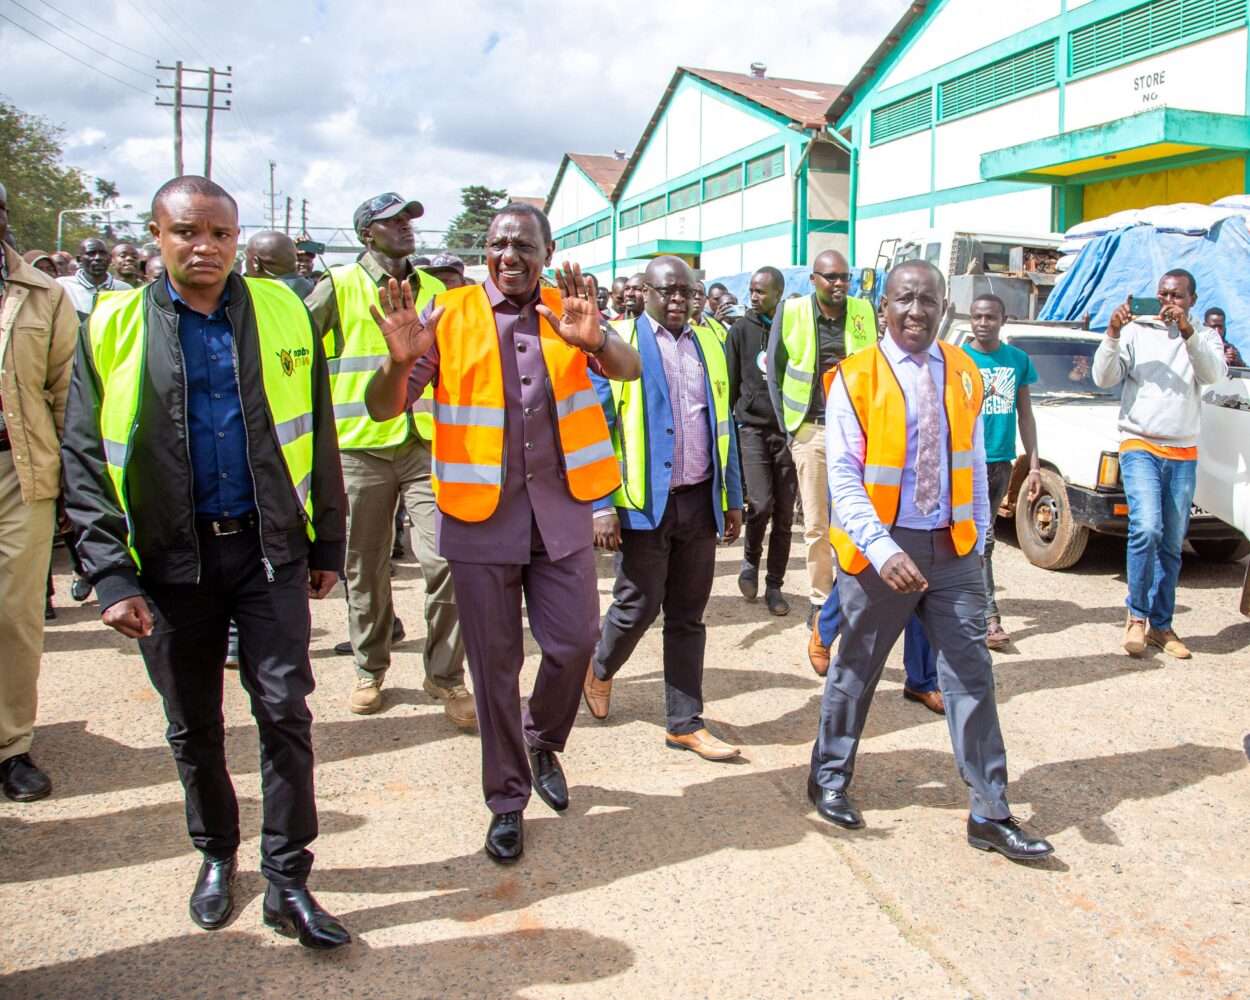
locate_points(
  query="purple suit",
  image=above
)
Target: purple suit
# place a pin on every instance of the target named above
(538, 543)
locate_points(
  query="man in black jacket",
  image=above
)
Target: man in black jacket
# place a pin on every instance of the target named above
(202, 475)
(767, 468)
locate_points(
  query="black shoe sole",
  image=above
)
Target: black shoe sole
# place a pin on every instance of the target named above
(28, 796)
(779, 611)
(551, 802)
(751, 594)
(828, 819)
(502, 860)
(285, 926)
(985, 845)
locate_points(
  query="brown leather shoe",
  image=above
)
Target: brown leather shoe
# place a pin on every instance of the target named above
(1135, 637)
(597, 694)
(996, 636)
(703, 743)
(1168, 641)
(932, 700)
(817, 651)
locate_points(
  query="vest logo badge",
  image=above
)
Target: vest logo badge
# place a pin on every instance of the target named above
(720, 386)
(301, 357)
(966, 381)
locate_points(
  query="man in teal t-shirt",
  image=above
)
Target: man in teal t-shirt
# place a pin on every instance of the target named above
(1007, 372)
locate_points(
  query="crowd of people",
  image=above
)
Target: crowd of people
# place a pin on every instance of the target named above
(228, 445)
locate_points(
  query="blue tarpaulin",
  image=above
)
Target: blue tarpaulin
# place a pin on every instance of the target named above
(1130, 262)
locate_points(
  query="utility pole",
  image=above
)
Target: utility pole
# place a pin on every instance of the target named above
(273, 196)
(210, 106)
(287, 228)
(303, 215)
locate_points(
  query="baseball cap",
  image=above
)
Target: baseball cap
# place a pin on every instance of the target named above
(446, 262)
(384, 206)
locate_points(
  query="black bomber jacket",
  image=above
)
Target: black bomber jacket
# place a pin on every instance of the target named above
(159, 479)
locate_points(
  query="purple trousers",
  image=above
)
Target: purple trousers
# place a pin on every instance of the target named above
(562, 600)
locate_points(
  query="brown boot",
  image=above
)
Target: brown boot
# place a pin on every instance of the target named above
(598, 694)
(1168, 641)
(817, 651)
(1135, 637)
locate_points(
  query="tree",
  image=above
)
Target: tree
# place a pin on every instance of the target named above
(105, 193)
(38, 185)
(468, 229)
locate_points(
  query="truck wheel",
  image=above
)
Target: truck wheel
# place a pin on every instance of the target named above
(1048, 534)
(1219, 549)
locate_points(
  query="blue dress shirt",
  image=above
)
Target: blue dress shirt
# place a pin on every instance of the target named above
(221, 479)
(846, 447)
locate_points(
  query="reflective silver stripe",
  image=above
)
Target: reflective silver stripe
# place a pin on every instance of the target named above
(464, 472)
(344, 411)
(368, 363)
(302, 488)
(115, 452)
(722, 428)
(424, 404)
(591, 453)
(793, 404)
(807, 378)
(882, 475)
(583, 399)
(961, 460)
(294, 429)
(962, 512)
(468, 416)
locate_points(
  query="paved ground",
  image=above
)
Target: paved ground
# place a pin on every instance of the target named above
(669, 875)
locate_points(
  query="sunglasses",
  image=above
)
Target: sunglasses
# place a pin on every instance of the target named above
(832, 276)
(383, 202)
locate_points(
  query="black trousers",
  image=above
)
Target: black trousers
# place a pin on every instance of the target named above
(669, 569)
(184, 656)
(772, 483)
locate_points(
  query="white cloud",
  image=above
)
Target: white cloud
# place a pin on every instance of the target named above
(350, 104)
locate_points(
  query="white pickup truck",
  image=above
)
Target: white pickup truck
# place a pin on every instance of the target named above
(1079, 451)
(1224, 457)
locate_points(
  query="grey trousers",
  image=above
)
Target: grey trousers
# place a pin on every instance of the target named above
(952, 610)
(999, 475)
(376, 482)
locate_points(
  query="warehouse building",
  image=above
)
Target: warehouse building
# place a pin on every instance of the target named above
(732, 171)
(1031, 117)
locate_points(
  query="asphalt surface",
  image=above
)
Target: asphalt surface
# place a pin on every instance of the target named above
(671, 876)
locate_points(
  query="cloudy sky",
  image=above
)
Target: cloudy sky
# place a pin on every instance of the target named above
(354, 98)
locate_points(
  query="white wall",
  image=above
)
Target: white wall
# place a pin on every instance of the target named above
(828, 195)
(764, 204)
(870, 232)
(960, 143)
(1209, 75)
(775, 251)
(575, 200)
(817, 243)
(1025, 211)
(591, 254)
(963, 26)
(895, 169)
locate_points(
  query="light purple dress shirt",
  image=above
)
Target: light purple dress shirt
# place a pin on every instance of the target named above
(535, 497)
(845, 447)
(687, 393)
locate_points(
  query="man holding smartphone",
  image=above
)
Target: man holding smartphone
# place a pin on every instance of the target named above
(1163, 358)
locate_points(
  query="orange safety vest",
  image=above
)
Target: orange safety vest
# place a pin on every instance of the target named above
(469, 410)
(879, 404)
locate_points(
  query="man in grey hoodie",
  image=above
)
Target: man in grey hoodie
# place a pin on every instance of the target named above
(1163, 361)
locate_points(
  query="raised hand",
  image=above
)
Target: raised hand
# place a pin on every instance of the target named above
(407, 338)
(581, 325)
(1121, 318)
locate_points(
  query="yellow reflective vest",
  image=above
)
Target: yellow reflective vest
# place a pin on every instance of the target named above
(802, 343)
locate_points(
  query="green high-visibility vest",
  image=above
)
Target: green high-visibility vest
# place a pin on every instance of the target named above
(287, 346)
(362, 352)
(798, 333)
(629, 437)
(713, 324)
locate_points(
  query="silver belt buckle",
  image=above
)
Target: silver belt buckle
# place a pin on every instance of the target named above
(222, 534)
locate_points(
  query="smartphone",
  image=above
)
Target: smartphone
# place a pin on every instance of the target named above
(1144, 306)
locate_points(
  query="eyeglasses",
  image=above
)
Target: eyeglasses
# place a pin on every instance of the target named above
(832, 276)
(670, 292)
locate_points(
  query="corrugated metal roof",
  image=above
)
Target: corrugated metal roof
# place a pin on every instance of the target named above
(803, 101)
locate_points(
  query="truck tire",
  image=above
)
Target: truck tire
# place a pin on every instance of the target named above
(1047, 532)
(1219, 549)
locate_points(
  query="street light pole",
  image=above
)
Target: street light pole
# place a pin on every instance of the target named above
(60, 218)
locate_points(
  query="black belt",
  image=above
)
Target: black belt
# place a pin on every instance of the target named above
(688, 487)
(222, 526)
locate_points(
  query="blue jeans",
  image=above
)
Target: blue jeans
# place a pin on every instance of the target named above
(1160, 493)
(919, 660)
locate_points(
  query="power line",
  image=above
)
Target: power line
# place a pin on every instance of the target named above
(86, 45)
(111, 41)
(147, 17)
(70, 55)
(186, 41)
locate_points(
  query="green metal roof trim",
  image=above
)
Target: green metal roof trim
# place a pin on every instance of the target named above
(659, 248)
(883, 56)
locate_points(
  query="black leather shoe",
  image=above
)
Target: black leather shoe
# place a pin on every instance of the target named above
(834, 806)
(80, 589)
(49, 612)
(294, 913)
(1007, 838)
(777, 604)
(505, 840)
(212, 901)
(749, 581)
(23, 781)
(549, 780)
